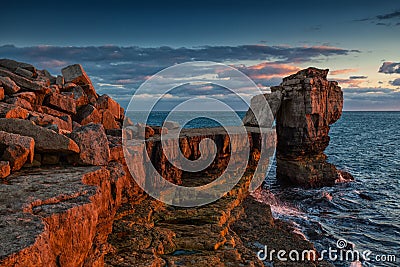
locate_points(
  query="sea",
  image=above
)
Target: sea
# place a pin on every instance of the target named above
(363, 214)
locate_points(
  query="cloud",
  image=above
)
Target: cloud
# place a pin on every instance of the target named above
(371, 99)
(390, 67)
(395, 82)
(358, 77)
(349, 82)
(342, 71)
(119, 71)
(268, 73)
(388, 19)
(395, 14)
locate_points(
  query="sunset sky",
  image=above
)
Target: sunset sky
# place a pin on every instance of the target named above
(121, 43)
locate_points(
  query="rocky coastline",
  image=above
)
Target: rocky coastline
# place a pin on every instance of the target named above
(67, 200)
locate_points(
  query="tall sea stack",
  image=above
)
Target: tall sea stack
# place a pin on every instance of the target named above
(309, 105)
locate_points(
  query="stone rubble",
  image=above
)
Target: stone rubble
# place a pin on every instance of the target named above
(52, 112)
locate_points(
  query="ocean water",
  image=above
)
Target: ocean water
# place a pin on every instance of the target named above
(366, 212)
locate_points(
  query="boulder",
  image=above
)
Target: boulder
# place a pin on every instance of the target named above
(10, 87)
(60, 80)
(106, 102)
(159, 130)
(28, 143)
(76, 74)
(28, 96)
(87, 114)
(61, 102)
(36, 86)
(91, 93)
(78, 94)
(93, 144)
(20, 102)
(266, 115)
(53, 112)
(12, 111)
(5, 169)
(108, 120)
(170, 125)
(24, 73)
(45, 140)
(13, 65)
(16, 155)
(42, 119)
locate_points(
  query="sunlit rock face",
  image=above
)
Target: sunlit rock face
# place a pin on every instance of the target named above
(309, 105)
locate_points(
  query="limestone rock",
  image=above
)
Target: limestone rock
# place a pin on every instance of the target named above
(159, 130)
(61, 102)
(108, 120)
(106, 102)
(76, 74)
(36, 86)
(93, 144)
(12, 111)
(265, 114)
(87, 114)
(28, 96)
(45, 140)
(13, 65)
(78, 94)
(90, 93)
(170, 125)
(311, 104)
(7, 139)
(20, 102)
(9, 85)
(5, 169)
(16, 155)
(42, 119)
(60, 80)
(24, 73)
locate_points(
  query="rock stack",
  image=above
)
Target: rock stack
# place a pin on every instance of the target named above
(305, 104)
(46, 120)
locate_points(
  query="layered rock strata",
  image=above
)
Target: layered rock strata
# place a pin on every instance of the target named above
(306, 104)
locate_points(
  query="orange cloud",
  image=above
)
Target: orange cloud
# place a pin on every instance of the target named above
(268, 70)
(342, 71)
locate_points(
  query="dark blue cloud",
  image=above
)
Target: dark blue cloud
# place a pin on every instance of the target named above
(361, 77)
(395, 82)
(390, 67)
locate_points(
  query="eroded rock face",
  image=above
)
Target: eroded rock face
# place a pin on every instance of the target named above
(305, 104)
(93, 144)
(311, 103)
(265, 114)
(45, 140)
(58, 216)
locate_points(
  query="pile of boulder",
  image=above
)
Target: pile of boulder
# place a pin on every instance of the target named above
(48, 120)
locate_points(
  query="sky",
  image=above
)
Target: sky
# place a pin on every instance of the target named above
(122, 43)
